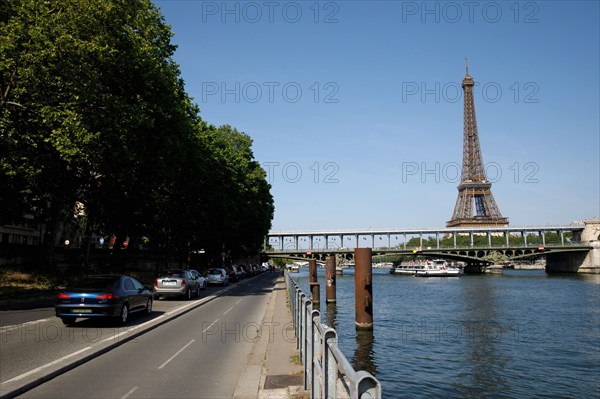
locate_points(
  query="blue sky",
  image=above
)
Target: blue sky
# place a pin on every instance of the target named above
(356, 111)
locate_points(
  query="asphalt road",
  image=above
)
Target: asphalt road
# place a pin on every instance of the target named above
(199, 354)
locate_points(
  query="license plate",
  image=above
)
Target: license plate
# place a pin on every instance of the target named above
(81, 310)
(168, 282)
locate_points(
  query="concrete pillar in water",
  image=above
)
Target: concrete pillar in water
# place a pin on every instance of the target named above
(330, 282)
(315, 290)
(363, 288)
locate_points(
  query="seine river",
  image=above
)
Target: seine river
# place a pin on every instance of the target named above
(522, 334)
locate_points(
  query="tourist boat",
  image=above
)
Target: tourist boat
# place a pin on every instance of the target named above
(408, 270)
(437, 268)
(294, 268)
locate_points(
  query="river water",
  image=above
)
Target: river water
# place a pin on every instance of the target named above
(522, 334)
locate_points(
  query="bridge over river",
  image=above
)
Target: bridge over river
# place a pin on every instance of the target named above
(568, 248)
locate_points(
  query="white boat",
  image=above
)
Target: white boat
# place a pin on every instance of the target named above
(437, 268)
(293, 268)
(407, 270)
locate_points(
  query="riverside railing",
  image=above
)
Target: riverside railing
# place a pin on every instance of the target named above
(327, 372)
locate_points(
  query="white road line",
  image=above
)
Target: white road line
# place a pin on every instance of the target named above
(238, 301)
(117, 336)
(27, 323)
(35, 322)
(47, 365)
(227, 311)
(212, 324)
(175, 355)
(199, 302)
(129, 393)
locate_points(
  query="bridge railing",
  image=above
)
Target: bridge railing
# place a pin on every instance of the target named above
(327, 371)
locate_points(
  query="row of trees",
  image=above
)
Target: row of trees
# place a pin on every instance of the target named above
(464, 241)
(93, 113)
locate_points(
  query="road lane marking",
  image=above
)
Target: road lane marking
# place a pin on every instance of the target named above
(129, 393)
(47, 365)
(117, 336)
(212, 324)
(227, 311)
(10, 327)
(175, 355)
(198, 302)
(238, 301)
(35, 322)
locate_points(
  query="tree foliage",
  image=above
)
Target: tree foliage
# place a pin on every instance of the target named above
(93, 111)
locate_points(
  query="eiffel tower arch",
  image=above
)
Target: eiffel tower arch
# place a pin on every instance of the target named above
(475, 205)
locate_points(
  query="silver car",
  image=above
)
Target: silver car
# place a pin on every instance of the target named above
(177, 282)
(202, 281)
(218, 275)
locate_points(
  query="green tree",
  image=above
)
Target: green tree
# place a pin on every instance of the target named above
(93, 111)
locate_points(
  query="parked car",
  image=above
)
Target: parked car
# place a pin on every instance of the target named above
(176, 282)
(243, 271)
(105, 295)
(202, 281)
(239, 271)
(233, 274)
(218, 275)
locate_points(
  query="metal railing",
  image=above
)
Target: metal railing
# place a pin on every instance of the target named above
(327, 372)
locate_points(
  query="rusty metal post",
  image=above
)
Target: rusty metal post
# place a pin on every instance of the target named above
(312, 271)
(315, 288)
(330, 276)
(363, 288)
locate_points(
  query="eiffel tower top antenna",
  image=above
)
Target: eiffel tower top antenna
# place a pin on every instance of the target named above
(467, 65)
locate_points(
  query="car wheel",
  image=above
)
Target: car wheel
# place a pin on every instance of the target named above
(149, 306)
(68, 321)
(188, 294)
(124, 314)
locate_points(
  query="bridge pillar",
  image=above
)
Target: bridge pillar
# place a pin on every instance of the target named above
(330, 294)
(315, 289)
(363, 288)
(578, 262)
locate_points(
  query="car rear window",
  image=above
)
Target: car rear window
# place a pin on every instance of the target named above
(214, 271)
(97, 283)
(173, 274)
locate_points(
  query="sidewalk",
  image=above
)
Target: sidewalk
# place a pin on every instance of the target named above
(274, 362)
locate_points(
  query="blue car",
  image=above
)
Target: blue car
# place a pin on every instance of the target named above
(110, 296)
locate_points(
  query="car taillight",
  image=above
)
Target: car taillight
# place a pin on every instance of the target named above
(62, 295)
(156, 282)
(183, 282)
(106, 296)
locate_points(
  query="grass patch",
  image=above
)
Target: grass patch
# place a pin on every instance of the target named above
(22, 290)
(11, 280)
(295, 359)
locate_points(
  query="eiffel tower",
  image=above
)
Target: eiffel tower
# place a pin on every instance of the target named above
(475, 205)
